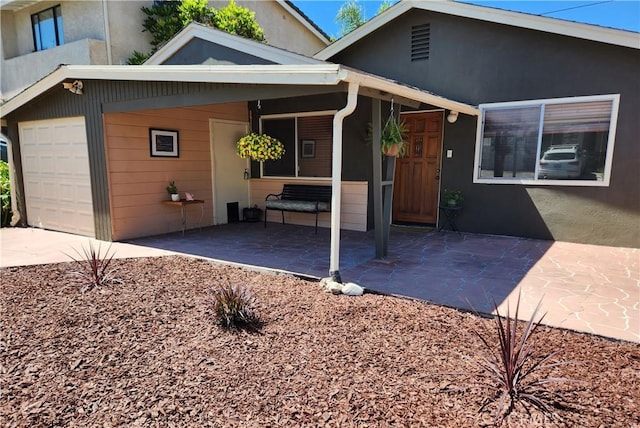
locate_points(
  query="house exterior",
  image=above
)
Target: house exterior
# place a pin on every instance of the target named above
(37, 36)
(206, 89)
(541, 84)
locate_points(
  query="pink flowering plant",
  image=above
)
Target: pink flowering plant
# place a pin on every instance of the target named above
(259, 147)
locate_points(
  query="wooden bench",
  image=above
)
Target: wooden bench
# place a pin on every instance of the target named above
(303, 198)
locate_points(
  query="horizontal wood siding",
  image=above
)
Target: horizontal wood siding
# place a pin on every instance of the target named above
(354, 203)
(137, 181)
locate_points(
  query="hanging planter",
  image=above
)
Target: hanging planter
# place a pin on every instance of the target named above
(392, 141)
(259, 147)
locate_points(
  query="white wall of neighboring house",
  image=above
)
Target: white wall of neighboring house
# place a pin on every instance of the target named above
(89, 41)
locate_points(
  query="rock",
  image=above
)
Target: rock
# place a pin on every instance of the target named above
(331, 286)
(352, 289)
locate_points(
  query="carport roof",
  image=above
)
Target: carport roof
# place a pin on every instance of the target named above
(325, 74)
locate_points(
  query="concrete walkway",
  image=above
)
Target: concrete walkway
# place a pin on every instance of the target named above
(586, 288)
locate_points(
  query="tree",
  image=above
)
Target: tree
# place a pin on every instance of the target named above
(166, 18)
(238, 20)
(351, 15)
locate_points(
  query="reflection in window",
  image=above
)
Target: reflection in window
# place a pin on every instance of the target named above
(47, 28)
(564, 139)
(292, 131)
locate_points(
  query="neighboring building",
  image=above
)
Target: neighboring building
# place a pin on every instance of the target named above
(37, 36)
(542, 88)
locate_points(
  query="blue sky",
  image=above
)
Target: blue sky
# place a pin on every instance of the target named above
(622, 14)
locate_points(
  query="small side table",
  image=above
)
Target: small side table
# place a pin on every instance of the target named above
(182, 203)
(449, 217)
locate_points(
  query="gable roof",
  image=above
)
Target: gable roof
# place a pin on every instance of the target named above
(231, 41)
(515, 19)
(324, 74)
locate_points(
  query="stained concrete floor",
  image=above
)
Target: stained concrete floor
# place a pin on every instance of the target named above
(587, 288)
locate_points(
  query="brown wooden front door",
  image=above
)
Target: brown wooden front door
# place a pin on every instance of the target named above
(417, 175)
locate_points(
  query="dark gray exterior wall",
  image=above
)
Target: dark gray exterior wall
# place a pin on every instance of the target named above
(118, 96)
(478, 62)
(198, 51)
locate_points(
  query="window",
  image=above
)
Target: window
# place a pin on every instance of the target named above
(566, 141)
(47, 28)
(4, 155)
(308, 143)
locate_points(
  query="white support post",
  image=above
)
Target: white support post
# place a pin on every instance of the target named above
(336, 179)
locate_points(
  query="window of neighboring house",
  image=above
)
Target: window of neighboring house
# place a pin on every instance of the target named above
(308, 142)
(4, 154)
(47, 28)
(564, 141)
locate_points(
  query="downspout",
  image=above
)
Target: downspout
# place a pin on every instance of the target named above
(15, 217)
(336, 180)
(107, 31)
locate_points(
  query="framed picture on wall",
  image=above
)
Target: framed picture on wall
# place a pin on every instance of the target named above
(308, 149)
(164, 143)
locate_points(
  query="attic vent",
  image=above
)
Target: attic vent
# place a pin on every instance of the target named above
(420, 37)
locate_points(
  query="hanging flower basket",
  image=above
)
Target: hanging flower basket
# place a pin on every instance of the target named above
(259, 147)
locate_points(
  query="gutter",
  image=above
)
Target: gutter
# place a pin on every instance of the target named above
(336, 179)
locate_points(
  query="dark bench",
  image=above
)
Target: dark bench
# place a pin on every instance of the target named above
(302, 198)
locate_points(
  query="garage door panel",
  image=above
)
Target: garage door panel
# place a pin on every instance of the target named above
(57, 176)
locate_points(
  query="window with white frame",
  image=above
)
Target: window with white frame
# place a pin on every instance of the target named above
(308, 143)
(47, 28)
(554, 141)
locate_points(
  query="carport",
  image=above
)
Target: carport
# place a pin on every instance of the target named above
(130, 88)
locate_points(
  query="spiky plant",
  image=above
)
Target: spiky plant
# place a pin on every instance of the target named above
(94, 266)
(233, 306)
(514, 370)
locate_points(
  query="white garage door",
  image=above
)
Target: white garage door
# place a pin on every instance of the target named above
(57, 184)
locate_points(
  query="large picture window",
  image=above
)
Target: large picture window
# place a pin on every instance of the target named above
(566, 141)
(47, 28)
(308, 143)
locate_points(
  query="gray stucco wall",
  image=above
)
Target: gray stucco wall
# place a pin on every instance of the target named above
(479, 62)
(199, 51)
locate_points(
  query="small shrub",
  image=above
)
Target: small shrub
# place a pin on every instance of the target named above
(512, 369)
(94, 266)
(232, 306)
(5, 195)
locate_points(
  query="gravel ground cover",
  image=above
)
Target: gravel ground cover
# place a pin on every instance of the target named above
(146, 352)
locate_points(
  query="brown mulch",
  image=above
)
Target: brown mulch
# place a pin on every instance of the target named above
(146, 352)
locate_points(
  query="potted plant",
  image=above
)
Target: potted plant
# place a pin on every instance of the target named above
(392, 141)
(452, 197)
(259, 147)
(172, 190)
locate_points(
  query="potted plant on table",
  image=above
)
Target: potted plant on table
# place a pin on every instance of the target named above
(259, 147)
(452, 198)
(172, 190)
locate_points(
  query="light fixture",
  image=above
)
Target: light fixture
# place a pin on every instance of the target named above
(75, 87)
(452, 117)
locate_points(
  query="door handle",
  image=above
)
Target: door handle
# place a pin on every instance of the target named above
(438, 174)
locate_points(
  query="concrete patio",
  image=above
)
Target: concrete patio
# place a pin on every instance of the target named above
(586, 288)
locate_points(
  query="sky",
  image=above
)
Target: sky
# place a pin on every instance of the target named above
(621, 14)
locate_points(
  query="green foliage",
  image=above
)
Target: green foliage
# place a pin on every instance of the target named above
(232, 306)
(238, 20)
(350, 16)
(393, 139)
(452, 197)
(514, 372)
(162, 21)
(196, 11)
(94, 266)
(166, 18)
(137, 58)
(5, 195)
(386, 4)
(171, 188)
